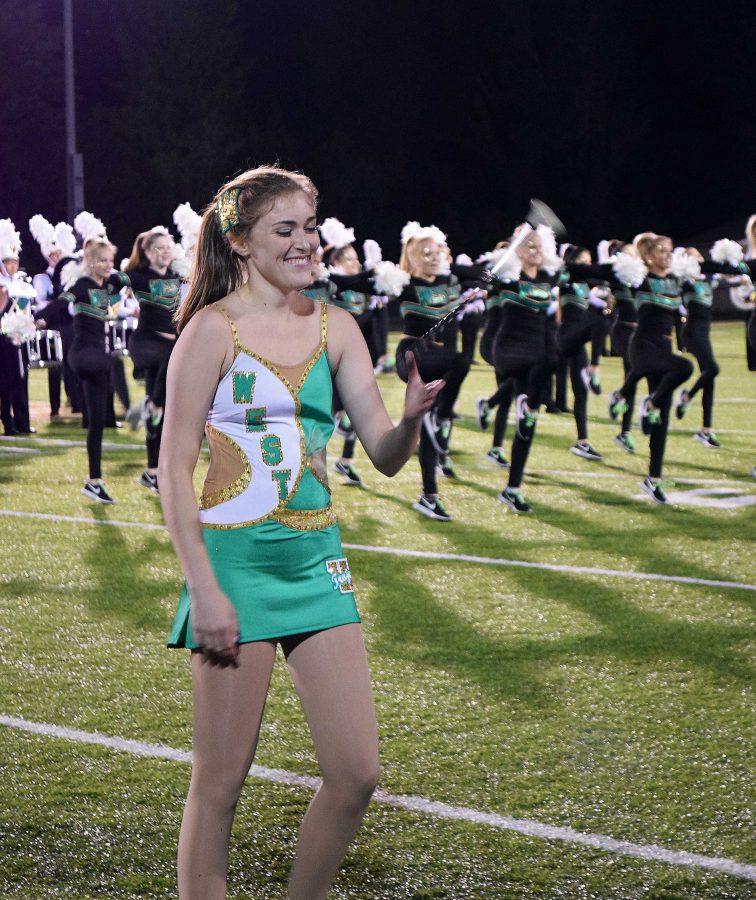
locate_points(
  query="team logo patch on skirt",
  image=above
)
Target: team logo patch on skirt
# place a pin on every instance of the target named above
(341, 577)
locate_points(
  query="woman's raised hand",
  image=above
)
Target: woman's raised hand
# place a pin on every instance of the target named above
(419, 397)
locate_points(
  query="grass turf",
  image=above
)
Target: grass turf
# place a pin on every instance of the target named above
(617, 706)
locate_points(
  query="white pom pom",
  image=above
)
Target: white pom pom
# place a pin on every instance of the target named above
(124, 264)
(20, 286)
(512, 267)
(463, 260)
(390, 280)
(10, 240)
(435, 234)
(372, 252)
(684, 266)
(629, 269)
(180, 262)
(321, 272)
(727, 251)
(548, 241)
(89, 226)
(18, 326)
(602, 253)
(552, 262)
(410, 231)
(188, 223)
(43, 233)
(336, 234)
(414, 231)
(65, 238)
(71, 273)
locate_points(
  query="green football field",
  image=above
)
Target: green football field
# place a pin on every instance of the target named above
(577, 692)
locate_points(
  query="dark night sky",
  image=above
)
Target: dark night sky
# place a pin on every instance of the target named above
(623, 116)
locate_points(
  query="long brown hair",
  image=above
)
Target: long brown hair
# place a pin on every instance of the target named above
(218, 268)
(143, 242)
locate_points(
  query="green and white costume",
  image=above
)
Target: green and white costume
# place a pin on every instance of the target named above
(268, 525)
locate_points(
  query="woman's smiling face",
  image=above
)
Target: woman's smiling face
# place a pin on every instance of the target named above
(281, 244)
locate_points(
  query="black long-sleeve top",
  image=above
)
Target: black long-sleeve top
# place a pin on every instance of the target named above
(523, 314)
(422, 302)
(158, 297)
(91, 303)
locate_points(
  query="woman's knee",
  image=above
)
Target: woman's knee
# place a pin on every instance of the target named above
(354, 783)
(215, 788)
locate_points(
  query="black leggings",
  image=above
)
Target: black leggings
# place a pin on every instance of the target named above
(652, 358)
(151, 355)
(379, 342)
(697, 337)
(572, 340)
(433, 362)
(576, 363)
(469, 327)
(92, 366)
(502, 402)
(751, 341)
(621, 343)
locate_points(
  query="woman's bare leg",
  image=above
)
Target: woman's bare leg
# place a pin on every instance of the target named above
(228, 710)
(330, 673)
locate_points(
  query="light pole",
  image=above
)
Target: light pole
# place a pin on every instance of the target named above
(74, 161)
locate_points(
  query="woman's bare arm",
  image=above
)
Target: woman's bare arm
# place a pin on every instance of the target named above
(201, 355)
(388, 446)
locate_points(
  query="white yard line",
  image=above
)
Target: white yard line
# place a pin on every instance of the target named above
(413, 804)
(64, 442)
(6, 448)
(428, 554)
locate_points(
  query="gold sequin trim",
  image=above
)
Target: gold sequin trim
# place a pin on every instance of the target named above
(317, 465)
(210, 499)
(272, 367)
(306, 519)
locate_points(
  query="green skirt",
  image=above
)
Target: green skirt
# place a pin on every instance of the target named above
(280, 580)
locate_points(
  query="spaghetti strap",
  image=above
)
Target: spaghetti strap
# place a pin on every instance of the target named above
(324, 324)
(227, 317)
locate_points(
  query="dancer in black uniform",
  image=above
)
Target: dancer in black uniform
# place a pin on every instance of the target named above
(697, 298)
(14, 384)
(91, 298)
(651, 356)
(354, 295)
(577, 327)
(55, 243)
(625, 323)
(498, 294)
(157, 288)
(525, 351)
(425, 300)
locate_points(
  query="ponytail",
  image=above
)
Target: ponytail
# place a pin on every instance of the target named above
(217, 269)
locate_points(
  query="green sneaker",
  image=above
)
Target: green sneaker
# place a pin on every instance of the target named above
(683, 402)
(708, 439)
(617, 405)
(496, 456)
(648, 415)
(625, 440)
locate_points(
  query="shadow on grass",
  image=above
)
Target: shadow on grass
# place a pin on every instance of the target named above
(124, 587)
(414, 626)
